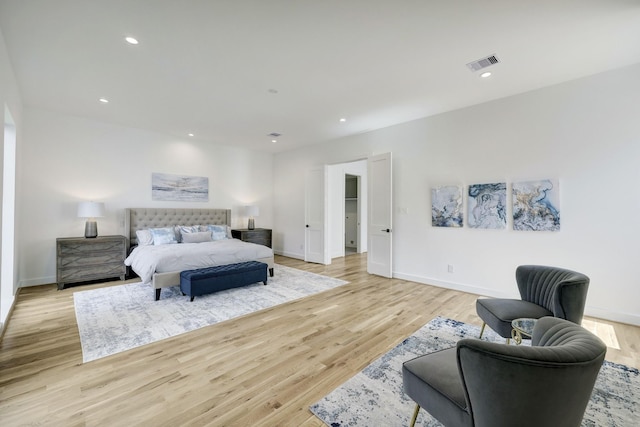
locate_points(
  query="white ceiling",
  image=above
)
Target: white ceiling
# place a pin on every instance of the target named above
(208, 66)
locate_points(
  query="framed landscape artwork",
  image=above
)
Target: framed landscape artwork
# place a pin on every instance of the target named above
(536, 205)
(487, 207)
(446, 206)
(182, 188)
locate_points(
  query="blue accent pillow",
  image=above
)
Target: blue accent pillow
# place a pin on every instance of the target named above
(163, 236)
(218, 232)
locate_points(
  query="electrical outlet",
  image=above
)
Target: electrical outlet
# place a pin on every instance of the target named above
(450, 268)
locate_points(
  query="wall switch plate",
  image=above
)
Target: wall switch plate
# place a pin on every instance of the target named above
(450, 268)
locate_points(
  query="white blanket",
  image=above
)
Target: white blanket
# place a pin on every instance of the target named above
(147, 260)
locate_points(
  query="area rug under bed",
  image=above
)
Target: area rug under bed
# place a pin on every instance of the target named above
(374, 397)
(118, 318)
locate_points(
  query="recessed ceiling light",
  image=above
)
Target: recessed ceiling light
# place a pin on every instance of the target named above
(274, 140)
(485, 74)
(343, 120)
(190, 134)
(131, 40)
(104, 100)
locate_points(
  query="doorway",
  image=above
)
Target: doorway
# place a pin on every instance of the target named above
(351, 214)
(325, 212)
(347, 210)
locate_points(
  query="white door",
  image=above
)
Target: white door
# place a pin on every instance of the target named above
(380, 215)
(316, 248)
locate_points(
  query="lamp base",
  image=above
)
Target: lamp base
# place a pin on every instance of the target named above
(251, 224)
(90, 229)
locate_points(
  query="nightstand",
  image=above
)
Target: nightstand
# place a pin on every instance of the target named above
(261, 236)
(79, 259)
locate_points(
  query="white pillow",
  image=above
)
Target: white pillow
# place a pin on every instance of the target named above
(197, 237)
(218, 232)
(144, 237)
(163, 236)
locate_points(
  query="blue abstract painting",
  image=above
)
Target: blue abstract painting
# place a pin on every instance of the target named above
(179, 188)
(487, 205)
(446, 206)
(536, 205)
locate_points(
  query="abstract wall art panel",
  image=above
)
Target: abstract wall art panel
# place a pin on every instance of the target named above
(536, 205)
(165, 187)
(487, 205)
(446, 206)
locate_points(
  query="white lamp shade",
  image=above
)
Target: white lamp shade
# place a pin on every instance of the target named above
(252, 210)
(90, 209)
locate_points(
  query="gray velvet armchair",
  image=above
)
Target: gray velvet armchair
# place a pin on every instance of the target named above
(479, 383)
(544, 291)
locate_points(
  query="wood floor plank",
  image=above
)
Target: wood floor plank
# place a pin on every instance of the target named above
(264, 368)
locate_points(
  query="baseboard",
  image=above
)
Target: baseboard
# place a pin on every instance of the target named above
(289, 254)
(37, 282)
(597, 312)
(470, 289)
(3, 325)
(615, 316)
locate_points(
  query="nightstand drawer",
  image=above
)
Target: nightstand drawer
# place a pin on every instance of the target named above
(98, 271)
(87, 248)
(95, 258)
(260, 236)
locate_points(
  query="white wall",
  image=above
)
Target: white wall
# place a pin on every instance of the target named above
(9, 102)
(585, 133)
(69, 159)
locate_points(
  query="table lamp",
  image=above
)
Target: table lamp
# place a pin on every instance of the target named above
(252, 211)
(91, 211)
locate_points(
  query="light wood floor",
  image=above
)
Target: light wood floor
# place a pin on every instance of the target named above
(263, 369)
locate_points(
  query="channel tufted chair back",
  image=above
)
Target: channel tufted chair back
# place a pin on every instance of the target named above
(486, 384)
(544, 291)
(563, 292)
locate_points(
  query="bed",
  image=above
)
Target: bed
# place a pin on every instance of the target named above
(160, 265)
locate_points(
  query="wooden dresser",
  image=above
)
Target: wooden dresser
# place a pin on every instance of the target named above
(79, 259)
(261, 236)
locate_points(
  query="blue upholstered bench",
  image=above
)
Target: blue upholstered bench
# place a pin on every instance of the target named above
(203, 281)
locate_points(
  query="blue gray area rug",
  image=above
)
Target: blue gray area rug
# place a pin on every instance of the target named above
(119, 318)
(374, 397)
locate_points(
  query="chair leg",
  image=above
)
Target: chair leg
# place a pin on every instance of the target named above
(482, 330)
(415, 416)
(508, 341)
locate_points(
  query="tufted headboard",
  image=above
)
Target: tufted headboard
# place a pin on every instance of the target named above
(143, 218)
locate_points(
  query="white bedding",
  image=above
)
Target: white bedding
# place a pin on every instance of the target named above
(147, 260)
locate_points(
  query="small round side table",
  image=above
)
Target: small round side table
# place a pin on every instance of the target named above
(522, 327)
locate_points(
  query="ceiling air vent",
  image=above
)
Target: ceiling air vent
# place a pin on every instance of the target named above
(482, 63)
(274, 134)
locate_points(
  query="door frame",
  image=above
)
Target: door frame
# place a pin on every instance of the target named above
(327, 196)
